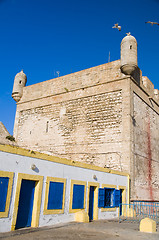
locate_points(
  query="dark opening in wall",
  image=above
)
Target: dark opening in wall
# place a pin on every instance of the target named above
(47, 126)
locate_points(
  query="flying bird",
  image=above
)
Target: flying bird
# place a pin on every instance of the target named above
(117, 26)
(152, 23)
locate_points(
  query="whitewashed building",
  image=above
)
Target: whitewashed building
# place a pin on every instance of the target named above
(40, 190)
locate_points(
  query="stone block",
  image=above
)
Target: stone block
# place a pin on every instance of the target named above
(148, 225)
(81, 216)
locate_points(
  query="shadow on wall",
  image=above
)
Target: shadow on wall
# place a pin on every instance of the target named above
(137, 75)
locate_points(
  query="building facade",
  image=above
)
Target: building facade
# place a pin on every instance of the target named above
(41, 190)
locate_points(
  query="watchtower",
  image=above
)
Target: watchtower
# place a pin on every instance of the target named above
(19, 82)
(128, 55)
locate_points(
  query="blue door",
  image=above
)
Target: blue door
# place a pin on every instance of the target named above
(25, 207)
(91, 203)
(121, 201)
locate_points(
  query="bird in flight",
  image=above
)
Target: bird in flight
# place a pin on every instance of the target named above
(152, 23)
(117, 26)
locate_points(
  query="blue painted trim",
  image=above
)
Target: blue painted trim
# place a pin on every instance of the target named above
(3, 192)
(91, 203)
(78, 196)
(55, 198)
(25, 207)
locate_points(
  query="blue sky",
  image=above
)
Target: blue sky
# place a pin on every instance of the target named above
(45, 36)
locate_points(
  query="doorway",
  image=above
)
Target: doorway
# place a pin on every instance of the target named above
(26, 200)
(91, 203)
(121, 190)
(122, 199)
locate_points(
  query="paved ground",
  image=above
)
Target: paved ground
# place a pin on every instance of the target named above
(98, 230)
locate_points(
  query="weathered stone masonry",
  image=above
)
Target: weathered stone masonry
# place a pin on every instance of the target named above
(146, 149)
(83, 124)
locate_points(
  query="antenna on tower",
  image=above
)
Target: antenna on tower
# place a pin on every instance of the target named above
(109, 57)
(58, 73)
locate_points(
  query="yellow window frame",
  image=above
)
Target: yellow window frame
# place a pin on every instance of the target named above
(71, 195)
(9, 192)
(54, 211)
(108, 209)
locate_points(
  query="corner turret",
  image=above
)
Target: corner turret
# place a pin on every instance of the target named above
(19, 82)
(128, 55)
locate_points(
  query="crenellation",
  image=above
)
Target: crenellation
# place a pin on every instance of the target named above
(156, 94)
(148, 85)
(83, 79)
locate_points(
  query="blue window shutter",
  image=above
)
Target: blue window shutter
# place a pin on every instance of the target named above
(101, 197)
(78, 196)
(3, 192)
(55, 198)
(116, 200)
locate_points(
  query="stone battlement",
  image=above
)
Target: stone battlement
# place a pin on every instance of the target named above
(148, 86)
(90, 77)
(79, 80)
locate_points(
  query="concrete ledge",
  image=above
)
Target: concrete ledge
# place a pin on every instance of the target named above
(81, 216)
(148, 225)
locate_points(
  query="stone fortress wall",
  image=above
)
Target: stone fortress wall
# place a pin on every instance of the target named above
(145, 134)
(99, 116)
(73, 123)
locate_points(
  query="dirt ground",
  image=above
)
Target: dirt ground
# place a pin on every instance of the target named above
(97, 230)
